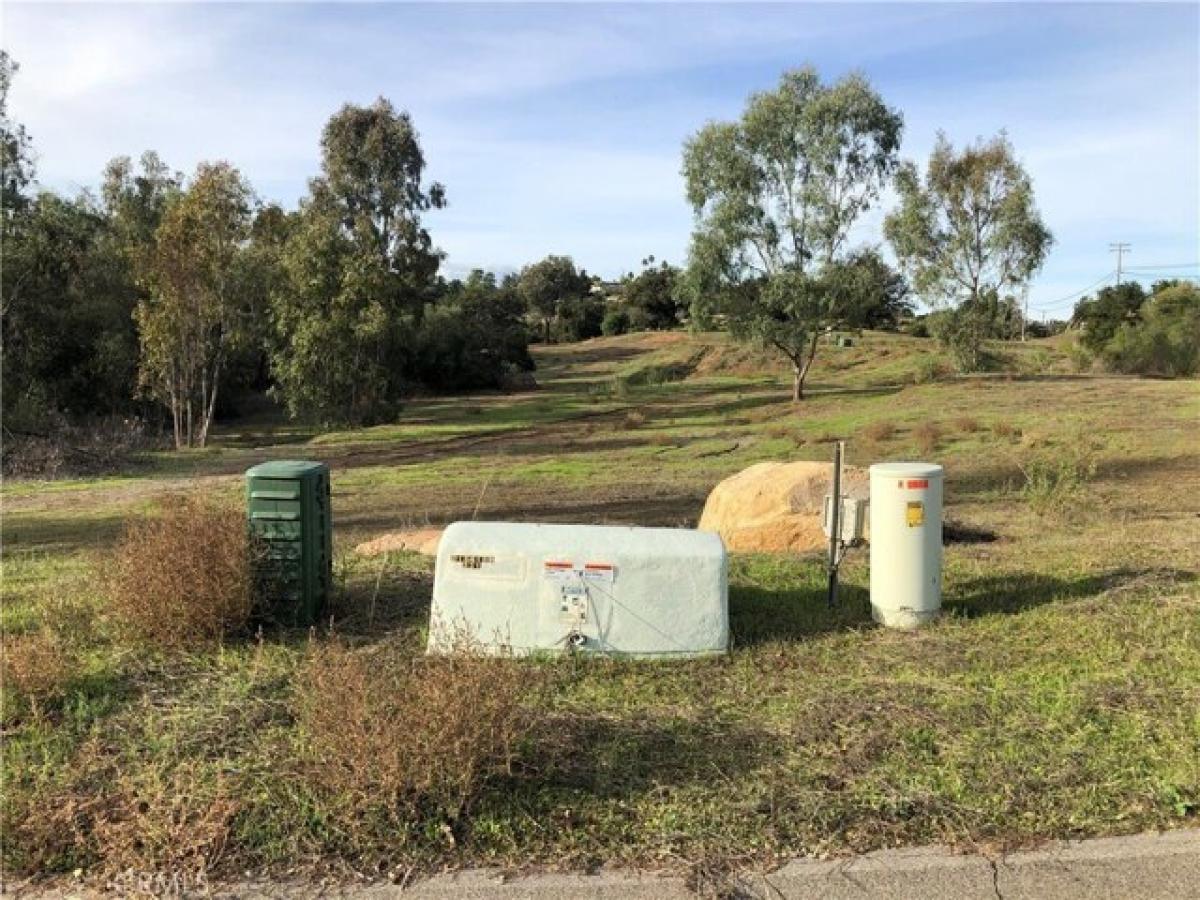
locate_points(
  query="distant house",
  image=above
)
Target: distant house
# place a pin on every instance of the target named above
(605, 290)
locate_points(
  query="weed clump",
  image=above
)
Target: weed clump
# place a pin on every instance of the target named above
(967, 424)
(35, 670)
(118, 824)
(929, 369)
(183, 577)
(407, 744)
(882, 430)
(1056, 478)
(927, 435)
(1006, 430)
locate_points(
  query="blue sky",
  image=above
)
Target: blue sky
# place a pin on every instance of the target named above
(557, 128)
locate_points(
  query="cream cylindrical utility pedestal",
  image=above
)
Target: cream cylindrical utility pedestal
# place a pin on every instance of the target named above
(906, 543)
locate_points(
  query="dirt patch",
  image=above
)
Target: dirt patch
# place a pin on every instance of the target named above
(421, 540)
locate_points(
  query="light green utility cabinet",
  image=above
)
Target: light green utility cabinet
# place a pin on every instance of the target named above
(287, 503)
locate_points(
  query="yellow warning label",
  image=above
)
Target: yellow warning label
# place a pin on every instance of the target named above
(916, 513)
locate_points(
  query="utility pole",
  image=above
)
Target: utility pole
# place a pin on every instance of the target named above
(1025, 314)
(1120, 249)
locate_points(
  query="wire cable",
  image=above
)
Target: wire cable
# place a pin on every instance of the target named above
(1193, 265)
(1049, 307)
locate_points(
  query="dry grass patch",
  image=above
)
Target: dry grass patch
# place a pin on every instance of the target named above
(109, 822)
(403, 741)
(967, 424)
(635, 419)
(35, 670)
(882, 430)
(926, 435)
(183, 577)
(1006, 430)
(662, 439)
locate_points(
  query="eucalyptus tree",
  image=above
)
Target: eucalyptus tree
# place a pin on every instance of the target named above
(201, 302)
(775, 195)
(16, 150)
(968, 234)
(359, 267)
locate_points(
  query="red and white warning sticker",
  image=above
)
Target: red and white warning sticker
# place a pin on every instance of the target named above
(600, 571)
(560, 569)
(557, 568)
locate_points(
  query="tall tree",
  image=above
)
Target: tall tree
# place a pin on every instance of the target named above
(969, 230)
(775, 195)
(201, 298)
(359, 267)
(135, 198)
(19, 311)
(652, 297)
(16, 150)
(548, 284)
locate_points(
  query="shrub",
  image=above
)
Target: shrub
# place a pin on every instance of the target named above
(1099, 318)
(879, 431)
(1165, 341)
(480, 342)
(580, 318)
(184, 576)
(967, 424)
(36, 669)
(1080, 356)
(615, 321)
(635, 419)
(918, 327)
(407, 741)
(927, 434)
(1038, 362)
(965, 343)
(929, 368)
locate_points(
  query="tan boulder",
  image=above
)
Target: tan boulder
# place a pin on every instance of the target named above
(422, 540)
(774, 506)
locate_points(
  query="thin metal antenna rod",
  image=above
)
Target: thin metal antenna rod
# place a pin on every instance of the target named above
(835, 522)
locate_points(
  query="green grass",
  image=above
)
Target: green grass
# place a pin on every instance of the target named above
(1059, 695)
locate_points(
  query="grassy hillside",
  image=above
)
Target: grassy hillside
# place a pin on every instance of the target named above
(1057, 697)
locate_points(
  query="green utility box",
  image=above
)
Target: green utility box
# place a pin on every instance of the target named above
(287, 503)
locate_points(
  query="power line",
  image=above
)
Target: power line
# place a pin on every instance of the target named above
(1140, 273)
(1155, 273)
(1048, 307)
(1193, 265)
